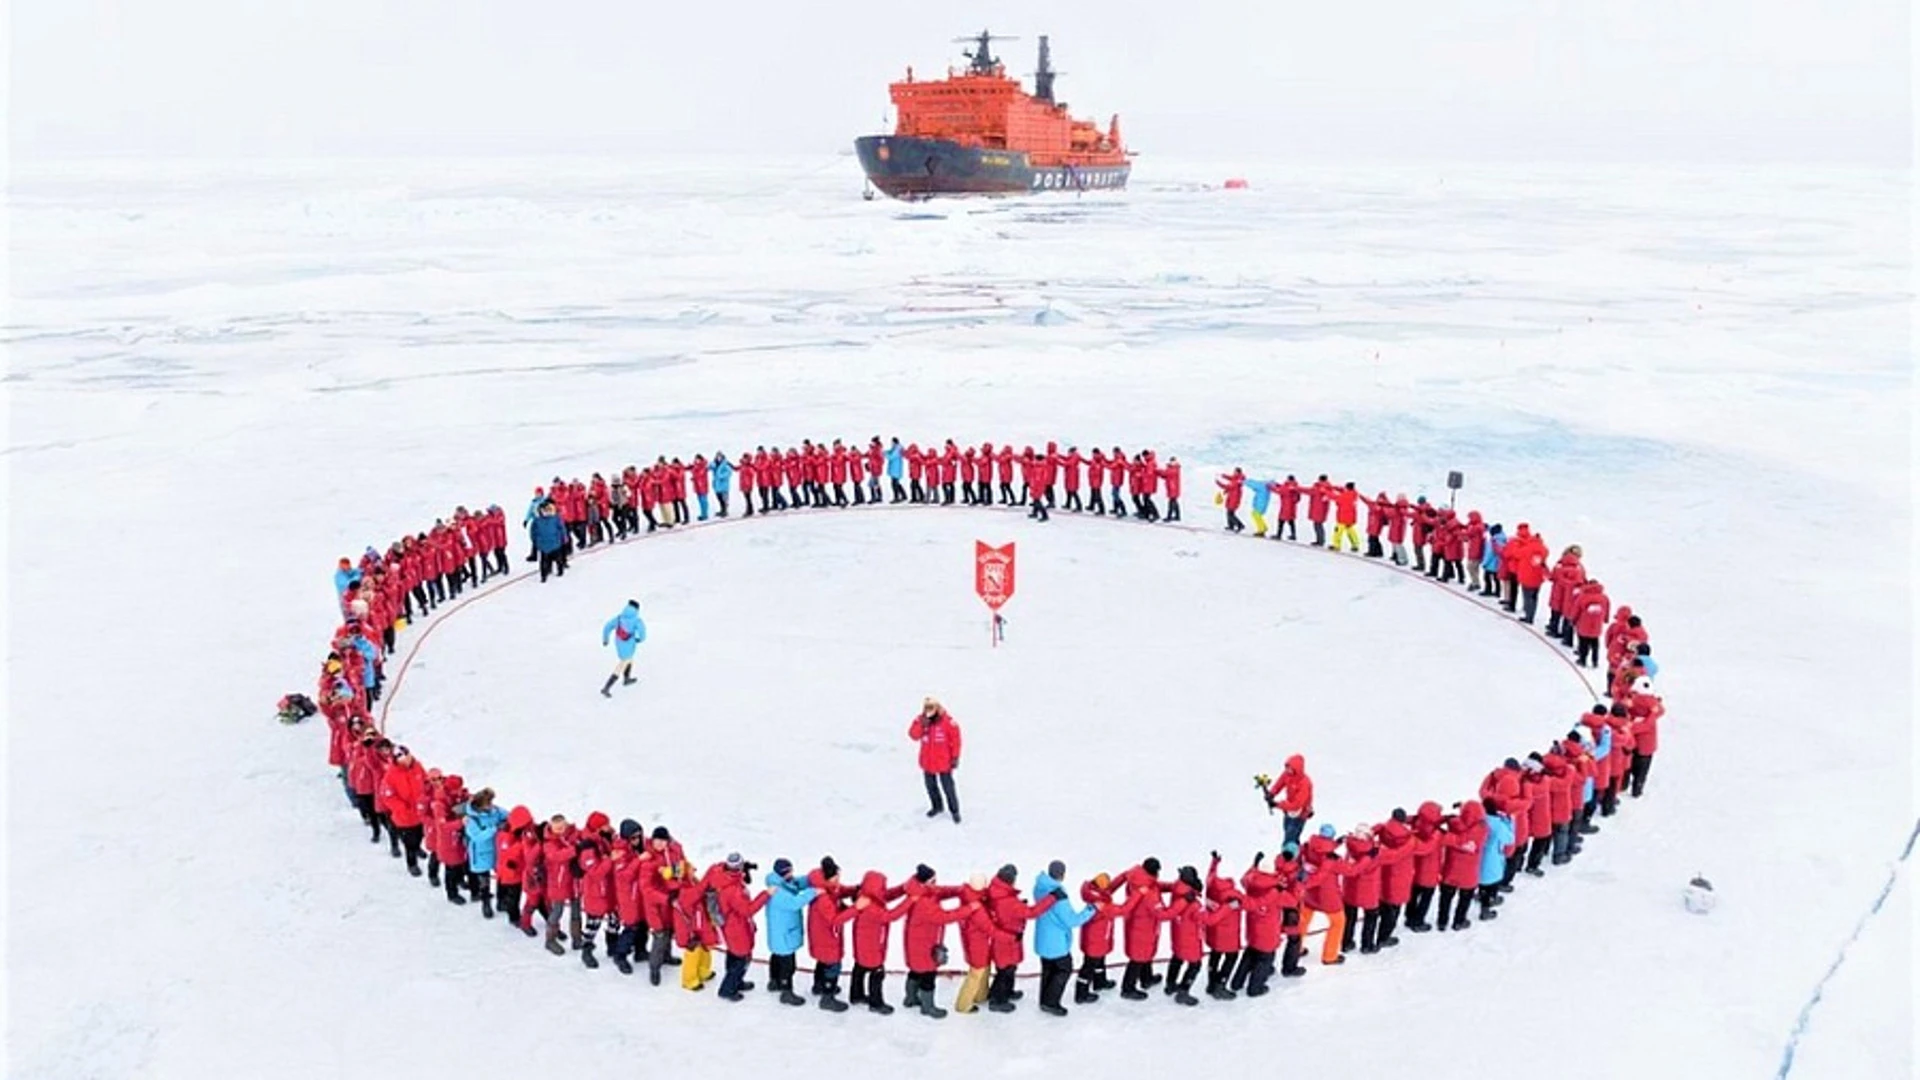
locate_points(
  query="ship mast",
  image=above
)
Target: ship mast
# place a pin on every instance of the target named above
(1043, 75)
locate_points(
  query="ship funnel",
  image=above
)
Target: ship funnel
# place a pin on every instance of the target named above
(1043, 74)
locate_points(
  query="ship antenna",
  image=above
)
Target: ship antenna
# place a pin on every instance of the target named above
(982, 60)
(1043, 76)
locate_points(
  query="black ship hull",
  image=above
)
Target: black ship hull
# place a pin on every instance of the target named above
(912, 168)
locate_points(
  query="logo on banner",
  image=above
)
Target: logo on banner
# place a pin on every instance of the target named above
(993, 573)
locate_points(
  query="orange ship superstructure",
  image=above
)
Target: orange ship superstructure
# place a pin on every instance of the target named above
(978, 131)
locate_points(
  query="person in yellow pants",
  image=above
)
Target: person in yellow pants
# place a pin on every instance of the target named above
(1346, 518)
(976, 937)
(696, 967)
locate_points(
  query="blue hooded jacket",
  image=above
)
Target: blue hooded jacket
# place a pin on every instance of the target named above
(1262, 494)
(482, 827)
(344, 578)
(533, 509)
(549, 533)
(1493, 863)
(787, 914)
(896, 461)
(722, 475)
(1490, 556)
(633, 632)
(369, 657)
(1053, 929)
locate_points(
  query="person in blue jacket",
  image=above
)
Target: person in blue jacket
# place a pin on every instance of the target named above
(786, 928)
(896, 468)
(625, 631)
(1053, 936)
(1493, 858)
(722, 479)
(549, 540)
(483, 830)
(345, 577)
(533, 512)
(1262, 491)
(1490, 561)
(369, 662)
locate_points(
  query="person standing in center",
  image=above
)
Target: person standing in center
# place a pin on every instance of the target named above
(626, 630)
(939, 739)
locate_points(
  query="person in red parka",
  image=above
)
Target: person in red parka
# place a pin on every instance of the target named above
(1096, 938)
(976, 946)
(1267, 898)
(1590, 610)
(559, 883)
(1320, 892)
(729, 881)
(450, 844)
(1009, 916)
(1292, 794)
(1527, 553)
(401, 788)
(1565, 577)
(1223, 925)
(1646, 709)
(593, 855)
(1346, 516)
(872, 928)
(1319, 501)
(939, 739)
(1187, 916)
(926, 931)
(1170, 475)
(1232, 486)
(1141, 915)
(1426, 866)
(1395, 856)
(1465, 834)
(693, 928)
(828, 913)
(1360, 892)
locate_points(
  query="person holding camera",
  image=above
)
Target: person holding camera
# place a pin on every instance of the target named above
(736, 910)
(939, 739)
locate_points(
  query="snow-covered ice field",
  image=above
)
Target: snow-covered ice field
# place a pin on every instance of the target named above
(222, 379)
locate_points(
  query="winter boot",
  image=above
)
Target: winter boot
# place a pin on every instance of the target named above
(606, 689)
(621, 962)
(931, 1011)
(788, 997)
(879, 1007)
(912, 998)
(486, 905)
(1052, 1010)
(586, 955)
(628, 679)
(1084, 995)
(553, 944)
(1184, 997)
(831, 1002)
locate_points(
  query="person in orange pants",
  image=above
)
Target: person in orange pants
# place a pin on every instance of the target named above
(1321, 892)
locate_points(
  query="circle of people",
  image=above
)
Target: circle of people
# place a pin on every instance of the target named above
(634, 892)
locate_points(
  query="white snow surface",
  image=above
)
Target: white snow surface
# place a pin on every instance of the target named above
(221, 379)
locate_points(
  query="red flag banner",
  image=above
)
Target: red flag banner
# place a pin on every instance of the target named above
(993, 573)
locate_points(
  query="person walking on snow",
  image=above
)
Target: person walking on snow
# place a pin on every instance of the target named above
(939, 739)
(786, 921)
(626, 630)
(1230, 489)
(1053, 936)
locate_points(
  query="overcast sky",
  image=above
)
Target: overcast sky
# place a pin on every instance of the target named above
(1603, 80)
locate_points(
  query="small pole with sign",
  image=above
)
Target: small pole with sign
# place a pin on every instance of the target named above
(1455, 482)
(993, 581)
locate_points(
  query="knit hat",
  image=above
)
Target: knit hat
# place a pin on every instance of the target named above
(1511, 764)
(783, 867)
(660, 833)
(1057, 870)
(923, 873)
(734, 861)
(629, 829)
(1151, 866)
(1008, 874)
(597, 821)
(1290, 850)
(1328, 831)
(829, 869)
